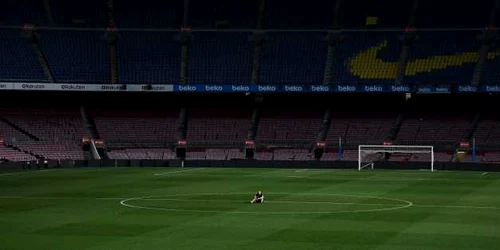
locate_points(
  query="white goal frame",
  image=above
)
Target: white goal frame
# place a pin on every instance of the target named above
(394, 149)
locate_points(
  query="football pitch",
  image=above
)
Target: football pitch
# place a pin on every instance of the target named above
(209, 208)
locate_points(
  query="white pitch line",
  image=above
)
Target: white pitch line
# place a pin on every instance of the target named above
(294, 176)
(484, 173)
(178, 171)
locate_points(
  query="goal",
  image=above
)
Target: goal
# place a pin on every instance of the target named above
(369, 154)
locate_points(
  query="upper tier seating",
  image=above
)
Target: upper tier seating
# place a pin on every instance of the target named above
(81, 57)
(221, 58)
(149, 57)
(18, 61)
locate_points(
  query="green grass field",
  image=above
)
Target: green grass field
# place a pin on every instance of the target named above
(208, 208)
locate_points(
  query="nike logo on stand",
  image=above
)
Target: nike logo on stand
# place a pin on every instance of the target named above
(367, 65)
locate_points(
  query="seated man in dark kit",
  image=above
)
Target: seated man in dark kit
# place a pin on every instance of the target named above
(258, 198)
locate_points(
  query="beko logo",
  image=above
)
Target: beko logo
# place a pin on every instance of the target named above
(267, 88)
(187, 88)
(294, 88)
(320, 88)
(213, 88)
(240, 88)
(374, 88)
(346, 88)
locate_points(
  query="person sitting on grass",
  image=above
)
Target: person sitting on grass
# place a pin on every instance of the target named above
(258, 198)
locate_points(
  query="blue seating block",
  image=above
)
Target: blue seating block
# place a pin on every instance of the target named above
(294, 58)
(18, 61)
(149, 57)
(221, 58)
(81, 56)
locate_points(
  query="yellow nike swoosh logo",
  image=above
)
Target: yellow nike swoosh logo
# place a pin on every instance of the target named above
(366, 65)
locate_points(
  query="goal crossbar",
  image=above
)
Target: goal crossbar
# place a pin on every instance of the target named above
(394, 149)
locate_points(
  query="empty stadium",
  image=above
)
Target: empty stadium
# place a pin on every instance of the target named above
(151, 125)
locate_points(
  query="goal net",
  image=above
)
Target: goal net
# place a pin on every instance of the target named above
(368, 155)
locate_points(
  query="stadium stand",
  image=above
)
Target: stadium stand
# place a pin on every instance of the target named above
(88, 13)
(142, 154)
(218, 125)
(221, 58)
(149, 14)
(9, 132)
(223, 14)
(451, 60)
(18, 59)
(225, 57)
(360, 128)
(8, 153)
(432, 128)
(52, 150)
(357, 58)
(296, 58)
(77, 56)
(316, 14)
(46, 123)
(436, 57)
(491, 74)
(14, 12)
(278, 125)
(136, 126)
(149, 57)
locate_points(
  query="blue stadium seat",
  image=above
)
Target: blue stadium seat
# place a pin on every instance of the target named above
(149, 57)
(77, 56)
(436, 57)
(221, 58)
(18, 61)
(443, 57)
(491, 73)
(223, 13)
(451, 13)
(300, 14)
(149, 13)
(19, 12)
(390, 13)
(92, 13)
(294, 58)
(353, 58)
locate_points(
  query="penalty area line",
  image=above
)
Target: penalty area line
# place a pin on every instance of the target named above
(178, 171)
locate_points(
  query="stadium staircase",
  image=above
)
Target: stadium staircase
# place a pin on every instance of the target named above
(23, 131)
(93, 132)
(461, 152)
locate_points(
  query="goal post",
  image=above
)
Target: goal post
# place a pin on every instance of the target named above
(364, 151)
